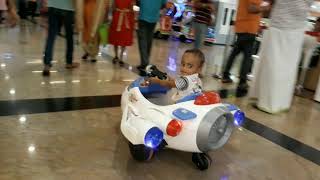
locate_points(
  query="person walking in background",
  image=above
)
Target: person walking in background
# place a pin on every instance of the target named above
(246, 28)
(148, 17)
(8, 12)
(22, 9)
(122, 26)
(203, 11)
(3, 10)
(59, 10)
(32, 6)
(91, 14)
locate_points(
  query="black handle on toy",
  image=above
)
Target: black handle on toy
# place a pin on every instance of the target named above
(153, 71)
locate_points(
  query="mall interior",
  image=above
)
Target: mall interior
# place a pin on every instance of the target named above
(72, 124)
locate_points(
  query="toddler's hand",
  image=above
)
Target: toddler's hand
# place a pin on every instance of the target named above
(145, 83)
(154, 80)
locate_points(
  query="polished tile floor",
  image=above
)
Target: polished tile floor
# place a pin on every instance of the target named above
(48, 130)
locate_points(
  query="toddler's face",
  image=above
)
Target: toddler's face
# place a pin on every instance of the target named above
(189, 65)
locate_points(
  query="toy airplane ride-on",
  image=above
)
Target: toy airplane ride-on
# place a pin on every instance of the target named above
(197, 123)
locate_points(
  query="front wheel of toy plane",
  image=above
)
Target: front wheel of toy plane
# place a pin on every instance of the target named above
(183, 38)
(140, 152)
(201, 160)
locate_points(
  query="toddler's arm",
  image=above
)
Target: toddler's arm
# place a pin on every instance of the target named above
(169, 82)
(180, 83)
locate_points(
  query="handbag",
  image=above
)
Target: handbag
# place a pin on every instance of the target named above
(103, 31)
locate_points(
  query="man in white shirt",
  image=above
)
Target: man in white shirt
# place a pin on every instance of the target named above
(280, 53)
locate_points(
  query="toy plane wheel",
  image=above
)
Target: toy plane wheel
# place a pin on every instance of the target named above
(201, 160)
(140, 152)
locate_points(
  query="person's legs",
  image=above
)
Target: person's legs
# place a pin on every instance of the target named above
(22, 9)
(68, 24)
(235, 51)
(123, 48)
(95, 49)
(1, 16)
(142, 41)
(145, 37)
(197, 36)
(200, 30)
(247, 45)
(52, 31)
(33, 8)
(150, 33)
(116, 51)
(116, 57)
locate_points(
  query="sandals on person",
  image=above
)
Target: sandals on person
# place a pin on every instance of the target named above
(85, 57)
(46, 70)
(121, 63)
(72, 66)
(115, 60)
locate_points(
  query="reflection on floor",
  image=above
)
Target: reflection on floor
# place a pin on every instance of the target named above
(71, 139)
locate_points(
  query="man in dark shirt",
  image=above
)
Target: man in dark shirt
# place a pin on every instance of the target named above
(203, 10)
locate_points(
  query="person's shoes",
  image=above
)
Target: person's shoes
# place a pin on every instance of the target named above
(226, 80)
(46, 70)
(115, 60)
(242, 90)
(141, 67)
(85, 57)
(72, 66)
(121, 63)
(142, 70)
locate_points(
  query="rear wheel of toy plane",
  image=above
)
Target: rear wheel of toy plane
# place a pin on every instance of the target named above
(140, 152)
(201, 160)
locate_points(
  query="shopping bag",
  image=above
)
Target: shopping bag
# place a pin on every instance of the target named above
(103, 33)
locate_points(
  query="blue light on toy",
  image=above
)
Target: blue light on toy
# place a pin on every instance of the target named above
(231, 107)
(239, 118)
(153, 138)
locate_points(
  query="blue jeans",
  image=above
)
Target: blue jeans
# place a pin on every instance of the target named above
(55, 17)
(145, 37)
(200, 32)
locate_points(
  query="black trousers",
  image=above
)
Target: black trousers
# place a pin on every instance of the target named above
(32, 6)
(145, 38)
(244, 44)
(22, 9)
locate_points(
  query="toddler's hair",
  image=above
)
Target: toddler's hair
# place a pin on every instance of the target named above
(198, 54)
